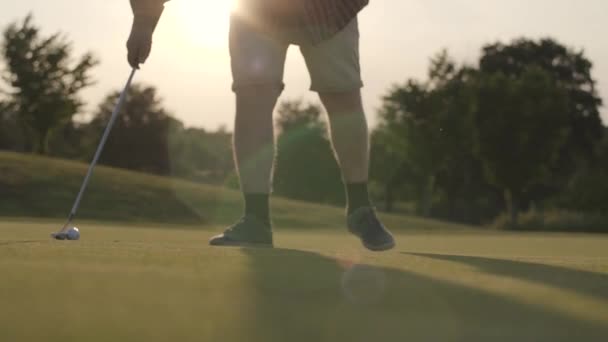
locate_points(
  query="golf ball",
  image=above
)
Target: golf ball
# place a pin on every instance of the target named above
(73, 234)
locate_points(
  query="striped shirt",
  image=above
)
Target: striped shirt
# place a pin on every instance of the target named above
(317, 19)
(324, 18)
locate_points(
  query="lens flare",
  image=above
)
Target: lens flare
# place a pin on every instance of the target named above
(363, 284)
(205, 22)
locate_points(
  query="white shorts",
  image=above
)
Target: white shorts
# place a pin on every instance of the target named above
(258, 58)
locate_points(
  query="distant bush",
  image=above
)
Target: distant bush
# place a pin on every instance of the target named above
(588, 189)
(555, 220)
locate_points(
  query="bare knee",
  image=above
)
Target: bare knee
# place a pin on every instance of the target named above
(254, 108)
(342, 103)
(257, 97)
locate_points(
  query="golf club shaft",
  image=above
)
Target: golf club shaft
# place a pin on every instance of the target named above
(102, 143)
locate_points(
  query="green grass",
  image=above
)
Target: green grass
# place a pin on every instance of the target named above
(38, 187)
(131, 280)
(150, 284)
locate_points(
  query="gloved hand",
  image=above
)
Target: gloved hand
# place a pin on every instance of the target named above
(139, 44)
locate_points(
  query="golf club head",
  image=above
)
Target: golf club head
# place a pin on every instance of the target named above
(67, 233)
(60, 236)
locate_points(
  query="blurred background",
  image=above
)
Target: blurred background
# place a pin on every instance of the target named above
(482, 112)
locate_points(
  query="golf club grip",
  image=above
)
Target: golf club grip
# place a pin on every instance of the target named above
(102, 143)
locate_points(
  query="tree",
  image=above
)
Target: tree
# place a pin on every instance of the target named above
(140, 137)
(430, 123)
(388, 164)
(305, 168)
(10, 139)
(571, 72)
(521, 126)
(147, 138)
(200, 155)
(44, 79)
(588, 189)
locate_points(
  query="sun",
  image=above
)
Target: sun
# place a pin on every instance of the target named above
(205, 22)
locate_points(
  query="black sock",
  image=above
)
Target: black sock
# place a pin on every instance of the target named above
(258, 206)
(357, 196)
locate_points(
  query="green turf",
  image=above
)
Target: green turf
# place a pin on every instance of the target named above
(151, 284)
(38, 187)
(161, 282)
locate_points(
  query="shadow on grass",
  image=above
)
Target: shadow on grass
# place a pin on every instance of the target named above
(588, 283)
(11, 243)
(302, 296)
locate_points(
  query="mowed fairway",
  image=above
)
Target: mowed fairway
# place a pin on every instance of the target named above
(166, 284)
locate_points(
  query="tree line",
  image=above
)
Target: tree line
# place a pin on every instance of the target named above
(518, 132)
(40, 97)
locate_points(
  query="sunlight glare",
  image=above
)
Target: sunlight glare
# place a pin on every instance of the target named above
(205, 22)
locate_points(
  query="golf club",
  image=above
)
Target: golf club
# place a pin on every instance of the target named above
(69, 232)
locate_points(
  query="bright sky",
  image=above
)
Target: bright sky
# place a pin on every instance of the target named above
(190, 62)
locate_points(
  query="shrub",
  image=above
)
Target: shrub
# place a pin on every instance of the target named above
(555, 220)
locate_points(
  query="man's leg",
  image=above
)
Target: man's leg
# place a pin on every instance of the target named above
(350, 140)
(257, 68)
(335, 74)
(254, 146)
